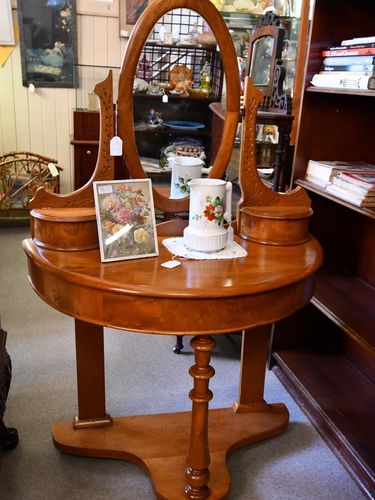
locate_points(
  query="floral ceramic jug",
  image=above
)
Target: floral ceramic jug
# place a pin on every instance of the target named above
(184, 169)
(210, 206)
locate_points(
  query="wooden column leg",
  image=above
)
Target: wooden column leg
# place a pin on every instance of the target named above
(90, 376)
(198, 459)
(254, 354)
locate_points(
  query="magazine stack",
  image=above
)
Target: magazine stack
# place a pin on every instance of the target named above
(357, 188)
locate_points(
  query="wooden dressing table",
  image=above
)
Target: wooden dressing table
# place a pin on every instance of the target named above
(184, 453)
(185, 450)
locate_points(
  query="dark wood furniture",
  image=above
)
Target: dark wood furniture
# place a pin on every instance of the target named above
(325, 353)
(86, 127)
(267, 72)
(265, 49)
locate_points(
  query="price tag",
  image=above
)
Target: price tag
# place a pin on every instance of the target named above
(115, 146)
(52, 168)
(170, 264)
(164, 98)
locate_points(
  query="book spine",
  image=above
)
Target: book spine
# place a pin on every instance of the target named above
(349, 52)
(360, 39)
(349, 67)
(346, 60)
(355, 188)
(345, 177)
(352, 46)
(339, 81)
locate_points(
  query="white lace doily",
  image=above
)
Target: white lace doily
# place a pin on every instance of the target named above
(176, 246)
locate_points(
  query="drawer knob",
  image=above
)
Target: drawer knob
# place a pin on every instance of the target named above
(88, 152)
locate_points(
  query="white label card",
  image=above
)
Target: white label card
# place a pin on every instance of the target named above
(170, 264)
(52, 168)
(164, 98)
(115, 146)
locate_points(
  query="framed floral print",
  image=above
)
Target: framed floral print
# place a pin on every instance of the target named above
(125, 217)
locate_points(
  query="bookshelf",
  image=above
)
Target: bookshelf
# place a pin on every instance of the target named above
(325, 353)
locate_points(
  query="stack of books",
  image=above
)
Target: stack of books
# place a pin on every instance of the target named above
(357, 188)
(321, 172)
(353, 181)
(349, 65)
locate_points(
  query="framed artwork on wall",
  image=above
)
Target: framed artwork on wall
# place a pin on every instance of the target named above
(126, 221)
(130, 11)
(48, 42)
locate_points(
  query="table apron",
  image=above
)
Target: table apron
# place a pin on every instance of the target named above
(169, 315)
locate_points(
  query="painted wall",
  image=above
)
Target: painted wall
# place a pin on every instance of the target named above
(42, 122)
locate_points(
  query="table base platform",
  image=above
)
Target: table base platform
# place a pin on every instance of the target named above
(159, 443)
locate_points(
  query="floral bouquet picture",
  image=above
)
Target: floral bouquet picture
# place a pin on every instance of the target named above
(126, 219)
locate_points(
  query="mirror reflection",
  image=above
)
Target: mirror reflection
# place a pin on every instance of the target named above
(179, 74)
(261, 59)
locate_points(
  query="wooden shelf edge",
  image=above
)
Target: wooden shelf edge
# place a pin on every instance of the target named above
(335, 309)
(338, 321)
(191, 97)
(330, 90)
(316, 189)
(362, 475)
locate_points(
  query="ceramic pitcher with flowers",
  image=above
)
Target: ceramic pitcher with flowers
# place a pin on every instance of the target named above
(184, 168)
(210, 207)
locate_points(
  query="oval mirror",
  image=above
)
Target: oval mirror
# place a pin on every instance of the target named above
(125, 105)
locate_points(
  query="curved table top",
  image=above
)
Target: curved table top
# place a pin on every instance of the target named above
(197, 297)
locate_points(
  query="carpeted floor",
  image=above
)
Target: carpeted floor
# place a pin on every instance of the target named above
(143, 375)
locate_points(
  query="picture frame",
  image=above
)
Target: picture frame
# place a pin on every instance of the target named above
(48, 42)
(125, 218)
(130, 11)
(6, 24)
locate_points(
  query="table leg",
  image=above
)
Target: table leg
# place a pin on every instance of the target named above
(198, 459)
(181, 465)
(254, 354)
(90, 376)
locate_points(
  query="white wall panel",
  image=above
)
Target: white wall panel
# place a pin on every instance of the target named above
(113, 42)
(87, 37)
(7, 115)
(63, 134)
(21, 105)
(36, 121)
(100, 41)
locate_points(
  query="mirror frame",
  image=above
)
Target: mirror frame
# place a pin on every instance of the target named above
(277, 33)
(155, 10)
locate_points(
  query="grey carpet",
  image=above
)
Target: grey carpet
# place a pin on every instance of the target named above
(143, 376)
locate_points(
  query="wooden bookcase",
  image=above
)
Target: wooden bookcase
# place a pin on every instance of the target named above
(325, 353)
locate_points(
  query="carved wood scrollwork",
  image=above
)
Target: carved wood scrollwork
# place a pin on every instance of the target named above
(279, 98)
(104, 169)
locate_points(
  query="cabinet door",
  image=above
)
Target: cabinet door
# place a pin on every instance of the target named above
(84, 163)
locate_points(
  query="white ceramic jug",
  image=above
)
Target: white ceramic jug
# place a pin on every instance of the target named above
(184, 168)
(210, 205)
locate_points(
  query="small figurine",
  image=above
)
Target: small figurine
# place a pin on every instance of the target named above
(206, 79)
(154, 118)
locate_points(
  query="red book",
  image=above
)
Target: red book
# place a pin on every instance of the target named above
(368, 51)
